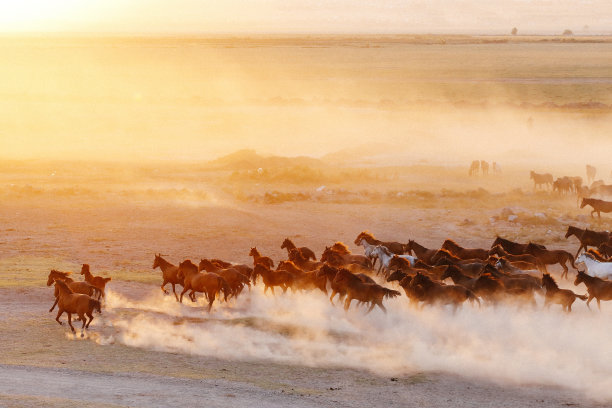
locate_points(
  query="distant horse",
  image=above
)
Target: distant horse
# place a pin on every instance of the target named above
(541, 179)
(77, 303)
(563, 185)
(438, 293)
(270, 279)
(424, 254)
(591, 172)
(484, 167)
(84, 288)
(599, 206)
(395, 247)
(564, 297)
(496, 168)
(445, 253)
(513, 247)
(587, 237)
(257, 258)
(458, 277)
(595, 267)
(305, 251)
(371, 293)
(474, 167)
(465, 253)
(597, 288)
(98, 281)
(208, 283)
(169, 274)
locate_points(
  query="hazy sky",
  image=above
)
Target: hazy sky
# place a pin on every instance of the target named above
(306, 16)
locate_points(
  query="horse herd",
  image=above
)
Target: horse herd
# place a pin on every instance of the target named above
(505, 271)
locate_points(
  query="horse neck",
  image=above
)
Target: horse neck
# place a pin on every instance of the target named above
(418, 248)
(256, 253)
(63, 290)
(289, 245)
(163, 264)
(370, 240)
(88, 276)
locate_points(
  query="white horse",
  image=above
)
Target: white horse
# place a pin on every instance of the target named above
(368, 250)
(594, 267)
(385, 256)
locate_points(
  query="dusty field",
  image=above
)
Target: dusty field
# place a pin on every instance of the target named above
(146, 350)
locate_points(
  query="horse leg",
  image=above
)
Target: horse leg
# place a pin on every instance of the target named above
(598, 304)
(565, 270)
(90, 315)
(577, 252)
(331, 298)
(84, 320)
(163, 288)
(70, 322)
(185, 289)
(59, 313)
(54, 303)
(174, 291)
(347, 303)
(589, 300)
(379, 304)
(192, 295)
(372, 304)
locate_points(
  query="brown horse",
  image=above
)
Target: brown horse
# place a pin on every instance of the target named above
(513, 248)
(438, 293)
(472, 269)
(564, 297)
(458, 277)
(98, 281)
(465, 253)
(290, 267)
(330, 272)
(371, 293)
(499, 250)
(605, 250)
(235, 280)
(271, 279)
(329, 255)
(305, 251)
(541, 179)
(298, 259)
(395, 247)
(246, 270)
(169, 274)
(597, 288)
(257, 258)
(208, 283)
(551, 257)
(310, 281)
(599, 206)
(77, 303)
(77, 287)
(424, 254)
(444, 253)
(587, 237)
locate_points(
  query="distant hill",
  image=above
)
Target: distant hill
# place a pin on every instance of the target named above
(247, 159)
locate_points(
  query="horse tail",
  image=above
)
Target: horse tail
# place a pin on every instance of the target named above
(472, 297)
(571, 258)
(106, 280)
(390, 293)
(582, 297)
(95, 305)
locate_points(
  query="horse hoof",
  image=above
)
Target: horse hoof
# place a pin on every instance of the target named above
(82, 335)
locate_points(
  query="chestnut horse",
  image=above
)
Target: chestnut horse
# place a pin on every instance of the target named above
(395, 247)
(514, 248)
(330, 272)
(587, 237)
(271, 279)
(424, 254)
(98, 281)
(371, 293)
(465, 253)
(438, 293)
(298, 259)
(597, 288)
(208, 283)
(499, 250)
(329, 255)
(77, 287)
(169, 274)
(257, 258)
(235, 280)
(541, 179)
(551, 257)
(305, 251)
(599, 206)
(77, 303)
(564, 297)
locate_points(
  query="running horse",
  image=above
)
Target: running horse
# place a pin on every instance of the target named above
(597, 288)
(395, 247)
(465, 253)
(77, 303)
(305, 251)
(169, 274)
(438, 293)
(258, 258)
(77, 287)
(97, 281)
(564, 297)
(587, 237)
(422, 253)
(599, 206)
(541, 179)
(208, 283)
(371, 293)
(514, 248)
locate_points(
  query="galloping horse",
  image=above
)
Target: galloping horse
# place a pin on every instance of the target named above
(305, 251)
(464, 253)
(541, 179)
(297, 258)
(77, 287)
(564, 297)
(551, 257)
(599, 206)
(78, 303)
(587, 237)
(208, 283)
(438, 293)
(257, 258)
(98, 281)
(271, 279)
(235, 280)
(597, 288)
(499, 251)
(169, 274)
(395, 247)
(328, 255)
(513, 247)
(596, 267)
(364, 292)
(424, 254)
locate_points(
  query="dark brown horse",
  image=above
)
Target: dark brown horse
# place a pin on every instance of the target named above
(424, 254)
(458, 277)
(564, 297)
(76, 303)
(371, 293)
(438, 293)
(444, 253)
(395, 247)
(472, 269)
(465, 253)
(330, 272)
(169, 274)
(599, 206)
(98, 281)
(605, 250)
(235, 280)
(551, 257)
(513, 248)
(270, 278)
(208, 283)
(305, 251)
(298, 259)
(587, 237)
(77, 287)
(258, 258)
(597, 288)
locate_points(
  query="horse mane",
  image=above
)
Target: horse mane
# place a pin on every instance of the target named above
(85, 269)
(447, 253)
(340, 247)
(60, 273)
(546, 277)
(451, 242)
(596, 254)
(63, 286)
(297, 254)
(402, 261)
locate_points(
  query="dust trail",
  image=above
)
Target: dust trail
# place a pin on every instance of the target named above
(503, 344)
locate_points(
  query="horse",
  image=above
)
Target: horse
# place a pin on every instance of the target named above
(515, 283)
(458, 277)
(235, 280)
(489, 288)
(280, 278)
(71, 302)
(305, 251)
(169, 274)
(484, 167)
(563, 185)
(395, 247)
(77, 287)
(371, 293)
(464, 253)
(330, 272)
(368, 251)
(341, 248)
(564, 297)
(246, 270)
(474, 167)
(362, 260)
(383, 254)
(605, 249)
(257, 258)
(513, 248)
(599, 206)
(208, 283)
(516, 267)
(309, 281)
(472, 269)
(424, 254)
(551, 257)
(298, 259)
(541, 179)
(587, 237)
(597, 288)
(97, 281)
(499, 251)
(445, 253)
(438, 293)
(594, 267)
(591, 172)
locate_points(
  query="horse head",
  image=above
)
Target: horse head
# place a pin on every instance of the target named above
(583, 203)
(85, 269)
(579, 278)
(287, 243)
